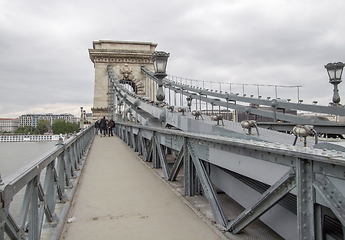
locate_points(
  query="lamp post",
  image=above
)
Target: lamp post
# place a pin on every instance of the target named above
(160, 60)
(84, 116)
(335, 71)
(81, 118)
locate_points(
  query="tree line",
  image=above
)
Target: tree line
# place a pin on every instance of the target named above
(43, 126)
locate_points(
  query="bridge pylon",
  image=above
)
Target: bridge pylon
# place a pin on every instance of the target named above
(126, 59)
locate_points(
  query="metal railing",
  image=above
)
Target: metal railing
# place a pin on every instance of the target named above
(44, 206)
(302, 189)
(240, 103)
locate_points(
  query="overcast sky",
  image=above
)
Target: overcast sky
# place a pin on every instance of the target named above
(45, 65)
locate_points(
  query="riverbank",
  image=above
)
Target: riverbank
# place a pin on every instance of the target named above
(29, 138)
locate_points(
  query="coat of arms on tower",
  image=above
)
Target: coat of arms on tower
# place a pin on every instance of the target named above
(126, 71)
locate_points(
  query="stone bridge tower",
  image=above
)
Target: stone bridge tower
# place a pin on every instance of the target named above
(126, 59)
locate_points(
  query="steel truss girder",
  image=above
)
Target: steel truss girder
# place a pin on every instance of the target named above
(333, 197)
(133, 145)
(187, 90)
(162, 158)
(268, 199)
(177, 166)
(208, 189)
(12, 228)
(143, 146)
(157, 154)
(189, 172)
(308, 164)
(151, 152)
(305, 199)
(155, 151)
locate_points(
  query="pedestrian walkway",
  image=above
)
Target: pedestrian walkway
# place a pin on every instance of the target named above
(119, 197)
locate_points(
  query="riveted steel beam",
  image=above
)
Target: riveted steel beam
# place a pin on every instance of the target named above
(8, 224)
(190, 178)
(12, 228)
(305, 199)
(241, 157)
(143, 146)
(334, 198)
(155, 158)
(177, 166)
(61, 177)
(162, 158)
(150, 151)
(132, 140)
(187, 90)
(208, 190)
(127, 137)
(268, 199)
(33, 220)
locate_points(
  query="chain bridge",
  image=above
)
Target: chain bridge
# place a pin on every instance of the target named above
(194, 134)
(297, 186)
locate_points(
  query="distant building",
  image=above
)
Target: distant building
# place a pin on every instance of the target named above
(9, 124)
(31, 120)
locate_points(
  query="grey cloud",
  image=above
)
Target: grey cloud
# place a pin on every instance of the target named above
(44, 62)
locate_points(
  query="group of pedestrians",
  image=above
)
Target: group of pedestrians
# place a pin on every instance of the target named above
(105, 127)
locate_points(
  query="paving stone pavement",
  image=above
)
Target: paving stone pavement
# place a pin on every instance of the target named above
(119, 197)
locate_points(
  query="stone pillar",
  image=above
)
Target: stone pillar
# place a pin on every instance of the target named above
(126, 59)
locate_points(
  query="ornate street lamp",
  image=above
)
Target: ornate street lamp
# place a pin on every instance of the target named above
(84, 116)
(160, 60)
(81, 119)
(335, 71)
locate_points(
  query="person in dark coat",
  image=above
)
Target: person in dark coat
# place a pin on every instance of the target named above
(97, 126)
(103, 125)
(111, 125)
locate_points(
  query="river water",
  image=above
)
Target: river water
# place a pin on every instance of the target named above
(15, 155)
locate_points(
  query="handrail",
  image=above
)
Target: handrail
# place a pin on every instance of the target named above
(278, 178)
(62, 165)
(275, 103)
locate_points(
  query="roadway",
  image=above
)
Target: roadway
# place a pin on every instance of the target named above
(120, 197)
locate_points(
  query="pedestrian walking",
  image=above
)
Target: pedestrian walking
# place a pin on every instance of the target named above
(103, 126)
(97, 126)
(111, 125)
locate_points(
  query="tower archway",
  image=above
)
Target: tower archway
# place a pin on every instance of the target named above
(126, 59)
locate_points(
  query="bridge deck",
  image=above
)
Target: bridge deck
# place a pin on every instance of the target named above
(120, 197)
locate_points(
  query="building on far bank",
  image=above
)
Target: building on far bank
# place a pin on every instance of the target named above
(9, 124)
(31, 120)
